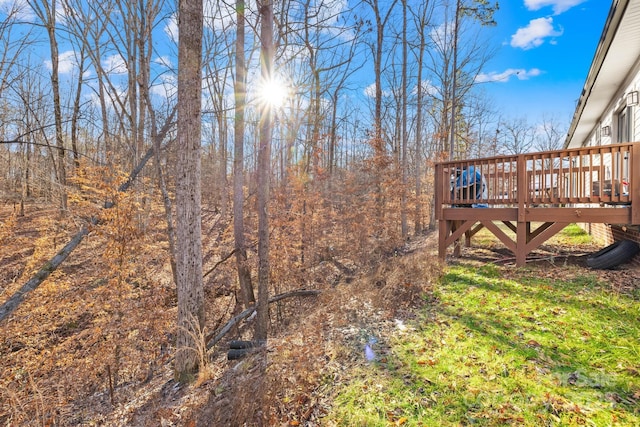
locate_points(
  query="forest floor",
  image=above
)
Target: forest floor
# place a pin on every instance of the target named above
(93, 344)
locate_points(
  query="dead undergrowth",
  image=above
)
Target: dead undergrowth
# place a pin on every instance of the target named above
(93, 345)
(291, 382)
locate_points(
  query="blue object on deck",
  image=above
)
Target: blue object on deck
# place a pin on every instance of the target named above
(471, 180)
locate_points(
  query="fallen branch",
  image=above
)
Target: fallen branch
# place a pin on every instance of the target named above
(16, 299)
(50, 266)
(211, 341)
(226, 257)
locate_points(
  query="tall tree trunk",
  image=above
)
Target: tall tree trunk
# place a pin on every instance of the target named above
(244, 274)
(162, 184)
(191, 316)
(452, 127)
(417, 217)
(403, 197)
(57, 108)
(379, 149)
(264, 157)
(26, 185)
(76, 109)
(47, 14)
(222, 172)
(377, 69)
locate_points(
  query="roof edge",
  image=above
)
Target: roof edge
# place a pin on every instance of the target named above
(606, 38)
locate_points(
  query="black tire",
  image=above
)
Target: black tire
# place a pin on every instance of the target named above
(613, 255)
(238, 344)
(237, 353)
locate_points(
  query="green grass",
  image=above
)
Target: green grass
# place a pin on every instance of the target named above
(497, 347)
(572, 235)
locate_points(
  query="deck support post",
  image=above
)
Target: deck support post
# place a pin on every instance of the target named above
(457, 249)
(522, 235)
(443, 231)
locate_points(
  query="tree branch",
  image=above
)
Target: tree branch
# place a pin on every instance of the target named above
(213, 339)
(226, 257)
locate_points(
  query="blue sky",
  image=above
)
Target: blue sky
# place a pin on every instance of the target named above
(550, 44)
(545, 48)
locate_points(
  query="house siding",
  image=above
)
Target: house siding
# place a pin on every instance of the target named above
(606, 234)
(614, 73)
(616, 105)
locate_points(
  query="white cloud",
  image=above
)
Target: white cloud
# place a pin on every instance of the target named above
(558, 6)
(17, 9)
(505, 76)
(427, 87)
(165, 61)
(327, 12)
(219, 16)
(370, 91)
(168, 87)
(171, 29)
(114, 64)
(533, 35)
(439, 34)
(66, 62)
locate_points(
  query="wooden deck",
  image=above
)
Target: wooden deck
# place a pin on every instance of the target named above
(536, 195)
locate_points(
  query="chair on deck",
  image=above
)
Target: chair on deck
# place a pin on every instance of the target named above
(469, 184)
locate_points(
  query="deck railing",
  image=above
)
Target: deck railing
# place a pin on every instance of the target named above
(590, 175)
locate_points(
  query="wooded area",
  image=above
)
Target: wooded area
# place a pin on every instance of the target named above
(340, 171)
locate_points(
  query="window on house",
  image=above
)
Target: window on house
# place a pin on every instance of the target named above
(624, 125)
(621, 160)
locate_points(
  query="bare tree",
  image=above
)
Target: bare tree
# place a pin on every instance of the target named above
(381, 20)
(550, 134)
(404, 132)
(11, 47)
(191, 314)
(481, 119)
(264, 160)
(32, 100)
(77, 99)
(457, 58)
(162, 184)
(518, 136)
(481, 11)
(218, 66)
(87, 23)
(244, 273)
(47, 13)
(330, 57)
(339, 83)
(421, 18)
(130, 32)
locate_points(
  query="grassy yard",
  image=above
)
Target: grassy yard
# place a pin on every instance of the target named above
(536, 346)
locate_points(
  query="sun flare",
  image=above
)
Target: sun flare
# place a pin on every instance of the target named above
(273, 93)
